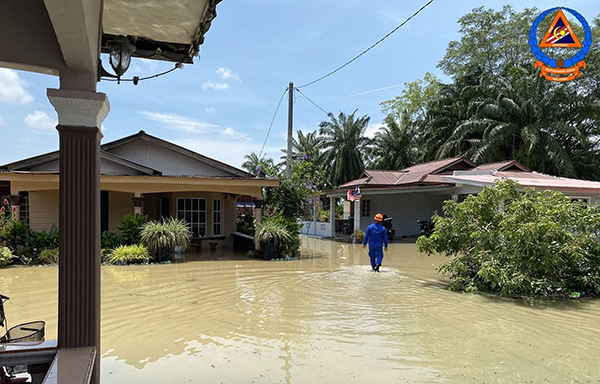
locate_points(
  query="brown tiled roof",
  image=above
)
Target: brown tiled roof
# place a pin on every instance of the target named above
(502, 166)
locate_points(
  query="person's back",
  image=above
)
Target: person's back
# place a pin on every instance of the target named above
(376, 237)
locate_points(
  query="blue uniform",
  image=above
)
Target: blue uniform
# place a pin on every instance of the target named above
(376, 237)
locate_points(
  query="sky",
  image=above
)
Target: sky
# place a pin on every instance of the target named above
(223, 104)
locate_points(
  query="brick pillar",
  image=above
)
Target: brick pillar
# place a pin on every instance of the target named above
(80, 114)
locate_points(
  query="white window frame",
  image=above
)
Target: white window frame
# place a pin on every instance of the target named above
(217, 217)
(365, 208)
(187, 215)
(24, 208)
(584, 199)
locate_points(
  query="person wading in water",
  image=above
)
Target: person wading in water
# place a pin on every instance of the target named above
(376, 237)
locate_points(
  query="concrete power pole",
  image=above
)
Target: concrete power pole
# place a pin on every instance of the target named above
(290, 129)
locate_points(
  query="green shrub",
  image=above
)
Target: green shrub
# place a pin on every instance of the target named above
(283, 232)
(110, 240)
(6, 256)
(129, 254)
(245, 223)
(48, 256)
(131, 228)
(358, 235)
(168, 234)
(514, 242)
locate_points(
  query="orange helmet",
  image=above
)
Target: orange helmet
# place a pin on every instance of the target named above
(379, 217)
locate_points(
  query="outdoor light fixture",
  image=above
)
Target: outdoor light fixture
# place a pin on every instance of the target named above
(120, 51)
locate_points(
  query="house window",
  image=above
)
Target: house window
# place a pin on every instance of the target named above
(365, 208)
(193, 211)
(585, 200)
(25, 209)
(217, 217)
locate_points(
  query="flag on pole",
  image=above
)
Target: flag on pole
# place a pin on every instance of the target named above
(353, 195)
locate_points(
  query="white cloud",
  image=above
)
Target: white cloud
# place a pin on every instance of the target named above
(2, 122)
(189, 125)
(227, 74)
(12, 88)
(40, 121)
(372, 128)
(213, 85)
(211, 110)
(143, 66)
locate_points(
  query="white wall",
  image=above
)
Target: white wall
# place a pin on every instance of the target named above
(165, 160)
(320, 229)
(405, 209)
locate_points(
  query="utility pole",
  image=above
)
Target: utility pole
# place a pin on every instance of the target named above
(290, 129)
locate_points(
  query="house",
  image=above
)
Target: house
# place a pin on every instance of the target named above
(65, 39)
(418, 192)
(141, 173)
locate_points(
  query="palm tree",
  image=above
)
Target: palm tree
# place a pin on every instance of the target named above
(307, 147)
(526, 118)
(392, 147)
(344, 144)
(260, 167)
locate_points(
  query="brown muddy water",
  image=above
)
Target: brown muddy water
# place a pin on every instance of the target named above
(326, 318)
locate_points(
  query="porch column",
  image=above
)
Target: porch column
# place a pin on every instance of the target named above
(80, 114)
(138, 204)
(332, 215)
(356, 215)
(258, 208)
(15, 202)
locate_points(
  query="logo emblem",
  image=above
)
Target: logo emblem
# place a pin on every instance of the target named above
(560, 34)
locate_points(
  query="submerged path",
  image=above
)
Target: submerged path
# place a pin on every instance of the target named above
(325, 318)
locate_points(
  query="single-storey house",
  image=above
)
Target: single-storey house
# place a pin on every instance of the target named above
(140, 173)
(417, 192)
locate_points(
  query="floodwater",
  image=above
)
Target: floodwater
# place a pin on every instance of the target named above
(326, 318)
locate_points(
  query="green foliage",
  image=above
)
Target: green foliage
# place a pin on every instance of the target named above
(6, 256)
(298, 195)
(110, 240)
(167, 234)
(358, 235)
(260, 167)
(130, 227)
(323, 215)
(283, 232)
(124, 254)
(344, 145)
(483, 42)
(514, 242)
(48, 256)
(245, 223)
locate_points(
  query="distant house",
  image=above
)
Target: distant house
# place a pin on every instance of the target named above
(417, 192)
(145, 174)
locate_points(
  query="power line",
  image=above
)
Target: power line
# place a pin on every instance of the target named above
(272, 121)
(313, 103)
(368, 49)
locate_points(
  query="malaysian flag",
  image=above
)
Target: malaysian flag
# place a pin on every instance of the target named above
(353, 195)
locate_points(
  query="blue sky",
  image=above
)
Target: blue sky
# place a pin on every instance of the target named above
(223, 104)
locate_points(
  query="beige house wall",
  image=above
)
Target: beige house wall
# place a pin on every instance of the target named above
(43, 210)
(119, 205)
(228, 214)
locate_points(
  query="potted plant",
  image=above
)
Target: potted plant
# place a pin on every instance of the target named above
(162, 237)
(273, 235)
(125, 254)
(357, 236)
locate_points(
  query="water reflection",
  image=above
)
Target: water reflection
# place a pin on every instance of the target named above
(222, 317)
